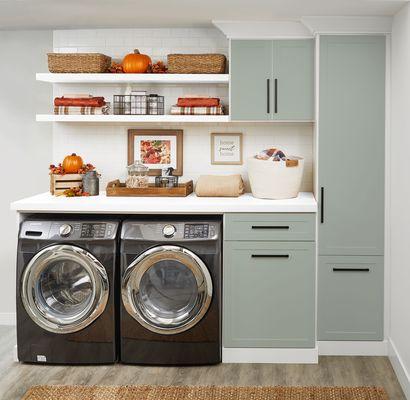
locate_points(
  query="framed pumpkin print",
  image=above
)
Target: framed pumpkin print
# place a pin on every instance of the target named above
(226, 148)
(156, 149)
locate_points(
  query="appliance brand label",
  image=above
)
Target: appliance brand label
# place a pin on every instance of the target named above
(41, 358)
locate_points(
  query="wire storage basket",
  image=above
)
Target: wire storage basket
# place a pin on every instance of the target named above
(138, 103)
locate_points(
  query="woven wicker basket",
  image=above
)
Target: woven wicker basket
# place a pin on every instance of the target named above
(196, 63)
(78, 62)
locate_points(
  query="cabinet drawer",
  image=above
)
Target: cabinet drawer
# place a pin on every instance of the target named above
(284, 227)
(269, 294)
(350, 298)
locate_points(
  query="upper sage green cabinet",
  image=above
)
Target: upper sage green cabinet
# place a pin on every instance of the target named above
(351, 145)
(272, 80)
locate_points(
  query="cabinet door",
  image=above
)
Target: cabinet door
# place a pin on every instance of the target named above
(350, 298)
(251, 79)
(269, 294)
(293, 79)
(351, 145)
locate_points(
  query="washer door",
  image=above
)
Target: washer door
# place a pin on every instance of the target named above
(167, 289)
(64, 288)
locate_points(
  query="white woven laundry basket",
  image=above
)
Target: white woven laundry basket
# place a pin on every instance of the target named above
(275, 179)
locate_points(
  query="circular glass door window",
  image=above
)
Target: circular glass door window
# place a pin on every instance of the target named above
(64, 288)
(168, 289)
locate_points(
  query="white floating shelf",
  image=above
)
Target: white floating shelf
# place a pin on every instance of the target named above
(131, 118)
(135, 78)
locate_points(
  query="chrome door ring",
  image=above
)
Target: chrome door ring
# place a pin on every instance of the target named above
(130, 287)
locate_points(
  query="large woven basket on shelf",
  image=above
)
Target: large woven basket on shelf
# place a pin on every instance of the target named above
(78, 62)
(196, 63)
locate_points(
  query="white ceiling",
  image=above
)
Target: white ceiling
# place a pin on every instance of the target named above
(40, 14)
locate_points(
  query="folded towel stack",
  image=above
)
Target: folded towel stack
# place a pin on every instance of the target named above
(197, 105)
(81, 105)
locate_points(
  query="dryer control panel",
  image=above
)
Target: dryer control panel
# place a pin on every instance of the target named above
(68, 230)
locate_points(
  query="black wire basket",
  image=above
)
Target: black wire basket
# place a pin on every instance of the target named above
(138, 104)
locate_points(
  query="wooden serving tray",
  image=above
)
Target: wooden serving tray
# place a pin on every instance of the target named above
(117, 188)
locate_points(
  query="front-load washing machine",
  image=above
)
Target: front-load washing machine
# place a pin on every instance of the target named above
(171, 291)
(65, 291)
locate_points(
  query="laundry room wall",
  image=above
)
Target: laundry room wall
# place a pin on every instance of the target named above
(25, 145)
(106, 145)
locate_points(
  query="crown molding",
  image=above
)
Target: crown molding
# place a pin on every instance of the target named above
(263, 29)
(348, 25)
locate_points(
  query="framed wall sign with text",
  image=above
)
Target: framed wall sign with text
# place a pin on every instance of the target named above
(226, 148)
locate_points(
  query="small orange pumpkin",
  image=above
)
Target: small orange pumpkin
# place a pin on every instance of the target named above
(136, 63)
(72, 164)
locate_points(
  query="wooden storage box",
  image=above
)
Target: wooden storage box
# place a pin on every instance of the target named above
(117, 188)
(60, 183)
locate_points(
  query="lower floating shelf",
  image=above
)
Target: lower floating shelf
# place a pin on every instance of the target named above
(131, 118)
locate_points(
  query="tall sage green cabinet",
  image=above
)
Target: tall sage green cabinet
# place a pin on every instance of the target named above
(272, 80)
(351, 187)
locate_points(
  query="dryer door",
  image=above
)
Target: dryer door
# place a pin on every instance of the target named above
(64, 288)
(167, 289)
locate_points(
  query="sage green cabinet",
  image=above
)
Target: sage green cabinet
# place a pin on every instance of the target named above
(351, 145)
(272, 80)
(251, 70)
(269, 294)
(270, 226)
(350, 298)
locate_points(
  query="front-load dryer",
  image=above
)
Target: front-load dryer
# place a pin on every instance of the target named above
(171, 291)
(65, 291)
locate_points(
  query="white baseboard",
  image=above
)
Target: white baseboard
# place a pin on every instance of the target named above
(8, 319)
(270, 356)
(353, 348)
(403, 375)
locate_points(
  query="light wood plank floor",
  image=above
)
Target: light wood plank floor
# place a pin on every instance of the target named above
(16, 378)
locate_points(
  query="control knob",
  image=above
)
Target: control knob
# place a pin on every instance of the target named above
(65, 230)
(169, 231)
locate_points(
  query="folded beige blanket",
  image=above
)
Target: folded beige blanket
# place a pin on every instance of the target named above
(219, 186)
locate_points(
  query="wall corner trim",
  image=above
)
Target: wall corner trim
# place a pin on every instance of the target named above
(403, 374)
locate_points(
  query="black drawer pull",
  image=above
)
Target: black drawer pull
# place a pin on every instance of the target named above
(33, 233)
(270, 255)
(270, 227)
(322, 205)
(268, 96)
(276, 96)
(351, 269)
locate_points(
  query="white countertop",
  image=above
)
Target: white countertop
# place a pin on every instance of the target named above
(191, 204)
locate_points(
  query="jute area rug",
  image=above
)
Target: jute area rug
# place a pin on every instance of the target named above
(203, 393)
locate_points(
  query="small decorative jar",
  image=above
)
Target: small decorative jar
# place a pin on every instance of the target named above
(137, 176)
(91, 183)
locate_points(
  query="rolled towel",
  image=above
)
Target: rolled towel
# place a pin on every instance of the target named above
(219, 186)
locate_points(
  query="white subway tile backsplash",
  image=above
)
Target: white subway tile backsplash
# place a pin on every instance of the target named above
(106, 145)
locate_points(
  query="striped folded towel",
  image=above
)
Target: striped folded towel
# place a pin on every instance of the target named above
(198, 102)
(218, 110)
(82, 110)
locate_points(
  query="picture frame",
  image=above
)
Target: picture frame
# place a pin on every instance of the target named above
(157, 149)
(226, 149)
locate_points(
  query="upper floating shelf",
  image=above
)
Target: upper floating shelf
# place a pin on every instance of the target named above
(135, 78)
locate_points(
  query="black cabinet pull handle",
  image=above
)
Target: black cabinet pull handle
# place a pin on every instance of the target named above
(351, 269)
(276, 96)
(268, 96)
(270, 227)
(322, 205)
(270, 255)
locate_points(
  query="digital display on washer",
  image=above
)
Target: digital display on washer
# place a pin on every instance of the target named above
(193, 231)
(89, 230)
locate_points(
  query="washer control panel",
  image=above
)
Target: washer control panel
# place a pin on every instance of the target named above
(195, 231)
(69, 230)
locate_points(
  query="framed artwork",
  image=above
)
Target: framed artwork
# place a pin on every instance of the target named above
(156, 149)
(226, 148)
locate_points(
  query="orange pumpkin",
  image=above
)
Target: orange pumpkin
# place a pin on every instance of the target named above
(136, 63)
(72, 164)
